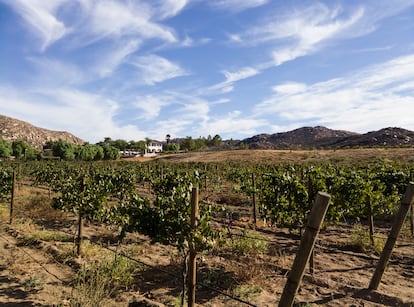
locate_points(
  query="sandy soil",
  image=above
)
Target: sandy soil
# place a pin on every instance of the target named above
(31, 276)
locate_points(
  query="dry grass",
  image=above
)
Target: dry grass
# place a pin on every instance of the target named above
(35, 203)
(305, 156)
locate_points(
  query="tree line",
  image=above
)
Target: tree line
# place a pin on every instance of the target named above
(107, 149)
(63, 150)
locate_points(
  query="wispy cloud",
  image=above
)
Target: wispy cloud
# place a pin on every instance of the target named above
(233, 123)
(41, 19)
(232, 77)
(169, 8)
(237, 5)
(377, 96)
(55, 73)
(296, 33)
(155, 69)
(119, 18)
(151, 105)
(115, 56)
(300, 32)
(97, 20)
(177, 113)
(87, 115)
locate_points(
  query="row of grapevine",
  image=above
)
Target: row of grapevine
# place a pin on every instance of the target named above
(285, 192)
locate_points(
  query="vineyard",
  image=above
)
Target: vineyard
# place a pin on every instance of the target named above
(124, 232)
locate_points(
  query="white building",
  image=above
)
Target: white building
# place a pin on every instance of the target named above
(153, 148)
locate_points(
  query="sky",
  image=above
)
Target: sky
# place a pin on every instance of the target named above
(135, 69)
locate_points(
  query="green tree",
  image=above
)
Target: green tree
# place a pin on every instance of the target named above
(5, 149)
(22, 150)
(120, 144)
(200, 143)
(110, 152)
(64, 150)
(88, 152)
(188, 144)
(172, 147)
(216, 140)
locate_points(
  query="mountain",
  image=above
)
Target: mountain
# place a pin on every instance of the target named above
(322, 137)
(305, 137)
(12, 129)
(391, 137)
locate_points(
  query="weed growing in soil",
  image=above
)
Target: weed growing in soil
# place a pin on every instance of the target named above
(360, 239)
(248, 243)
(96, 283)
(35, 238)
(33, 282)
(248, 291)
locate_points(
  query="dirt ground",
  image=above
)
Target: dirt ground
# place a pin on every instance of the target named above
(31, 276)
(253, 265)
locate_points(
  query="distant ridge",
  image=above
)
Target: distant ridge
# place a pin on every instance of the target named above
(12, 129)
(322, 137)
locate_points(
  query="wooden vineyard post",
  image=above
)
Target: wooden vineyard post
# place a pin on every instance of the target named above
(80, 232)
(412, 211)
(205, 178)
(254, 199)
(316, 217)
(406, 202)
(80, 220)
(312, 262)
(192, 261)
(412, 221)
(13, 194)
(370, 220)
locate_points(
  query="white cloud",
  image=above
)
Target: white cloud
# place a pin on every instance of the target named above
(97, 20)
(151, 105)
(56, 73)
(191, 42)
(373, 98)
(220, 101)
(172, 112)
(300, 32)
(243, 73)
(115, 57)
(237, 5)
(290, 88)
(169, 8)
(157, 69)
(227, 86)
(119, 18)
(39, 15)
(88, 116)
(233, 123)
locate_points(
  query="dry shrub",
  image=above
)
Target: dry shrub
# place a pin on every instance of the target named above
(4, 211)
(248, 269)
(37, 206)
(95, 284)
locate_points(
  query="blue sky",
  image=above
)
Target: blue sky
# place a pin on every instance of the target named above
(134, 69)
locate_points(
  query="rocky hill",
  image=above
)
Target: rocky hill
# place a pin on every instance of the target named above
(12, 129)
(322, 137)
